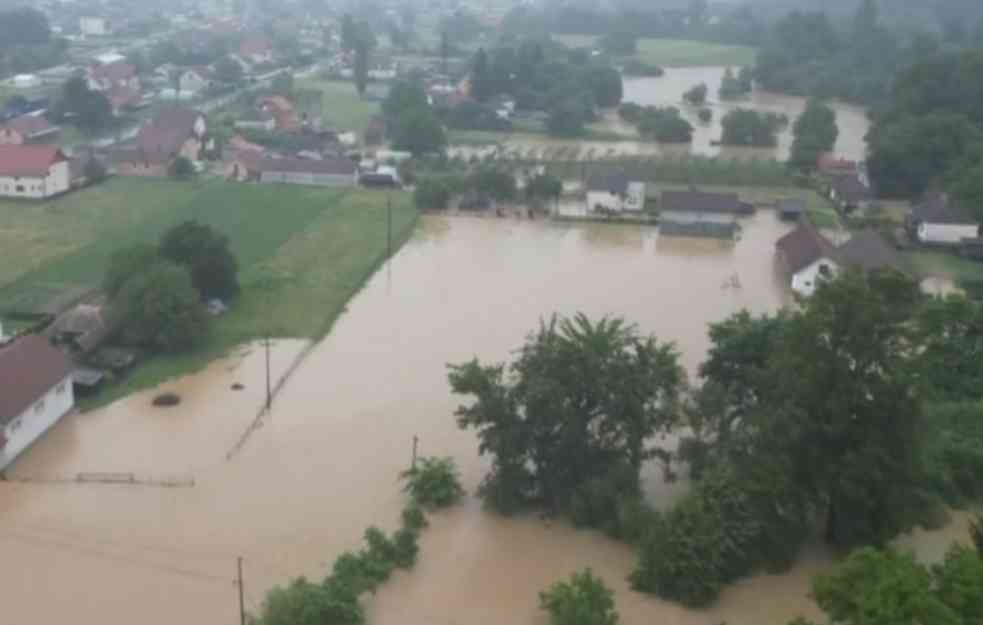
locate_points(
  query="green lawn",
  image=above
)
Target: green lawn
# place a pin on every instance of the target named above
(343, 109)
(944, 264)
(676, 52)
(303, 252)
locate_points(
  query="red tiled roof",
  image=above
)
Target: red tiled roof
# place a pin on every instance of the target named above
(29, 125)
(162, 138)
(28, 160)
(122, 96)
(29, 368)
(116, 72)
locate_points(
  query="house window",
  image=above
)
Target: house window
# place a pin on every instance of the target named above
(20, 188)
(824, 270)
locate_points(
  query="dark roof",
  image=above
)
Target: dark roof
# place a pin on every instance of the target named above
(849, 188)
(161, 139)
(938, 208)
(28, 160)
(869, 251)
(29, 368)
(804, 246)
(699, 201)
(611, 183)
(332, 166)
(791, 206)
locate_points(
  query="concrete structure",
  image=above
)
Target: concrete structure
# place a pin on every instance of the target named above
(26, 129)
(614, 194)
(35, 393)
(937, 219)
(33, 171)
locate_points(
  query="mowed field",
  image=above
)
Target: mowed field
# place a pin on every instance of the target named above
(676, 52)
(342, 108)
(303, 252)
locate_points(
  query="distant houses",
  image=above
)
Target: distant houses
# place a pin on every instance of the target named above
(35, 393)
(26, 129)
(937, 219)
(33, 171)
(808, 257)
(848, 192)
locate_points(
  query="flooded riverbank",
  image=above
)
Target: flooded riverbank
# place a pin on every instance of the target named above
(668, 90)
(325, 464)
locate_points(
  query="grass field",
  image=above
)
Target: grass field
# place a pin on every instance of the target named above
(343, 109)
(945, 265)
(676, 52)
(303, 252)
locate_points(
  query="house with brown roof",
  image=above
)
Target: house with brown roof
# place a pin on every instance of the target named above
(849, 193)
(33, 171)
(104, 77)
(256, 49)
(808, 257)
(26, 129)
(35, 393)
(172, 133)
(282, 111)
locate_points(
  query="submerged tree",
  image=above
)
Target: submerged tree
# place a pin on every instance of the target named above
(579, 404)
(584, 600)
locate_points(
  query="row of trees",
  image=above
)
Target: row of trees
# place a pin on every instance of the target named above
(733, 87)
(157, 291)
(814, 133)
(812, 416)
(26, 43)
(499, 184)
(665, 125)
(747, 127)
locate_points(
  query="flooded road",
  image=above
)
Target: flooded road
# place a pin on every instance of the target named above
(325, 465)
(668, 90)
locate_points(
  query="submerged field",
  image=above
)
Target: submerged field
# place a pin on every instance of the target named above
(676, 52)
(302, 252)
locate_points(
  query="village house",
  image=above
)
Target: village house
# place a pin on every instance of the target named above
(95, 26)
(808, 257)
(327, 172)
(937, 219)
(35, 393)
(614, 193)
(282, 110)
(172, 133)
(194, 80)
(791, 209)
(118, 74)
(33, 171)
(698, 206)
(256, 49)
(26, 129)
(122, 98)
(849, 193)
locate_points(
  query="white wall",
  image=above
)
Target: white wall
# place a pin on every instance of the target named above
(604, 199)
(56, 182)
(805, 281)
(36, 419)
(946, 233)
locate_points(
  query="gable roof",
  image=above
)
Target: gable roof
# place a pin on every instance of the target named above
(849, 188)
(937, 208)
(29, 368)
(698, 201)
(162, 138)
(116, 71)
(28, 160)
(869, 251)
(611, 183)
(804, 246)
(29, 125)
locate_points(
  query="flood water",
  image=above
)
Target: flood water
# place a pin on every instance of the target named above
(668, 90)
(325, 464)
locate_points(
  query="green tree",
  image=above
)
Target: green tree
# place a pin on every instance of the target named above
(495, 183)
(604, 82)
(206, 254)
(951, 337)
(182, 169)
(976, 533)
(161, 309)
(481, 81)
(584, 600)
(361, 65)
(731, 87)
(431, 194)
(94, 170)
(620, 43)
(544, 187)
(697, 96)
(578, 404)
(748, 127)
(404, 95)
(566, 119)
(229, 71)
(846, 406)
(283, 84)
(814, 133)
(664, 124)
(87, 109)
(349, 32)
(304, 603)
(419, 131)
(126, 263)
(434, 482)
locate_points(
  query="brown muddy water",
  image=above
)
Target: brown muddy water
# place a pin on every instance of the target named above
(324, 466)
(668, 90)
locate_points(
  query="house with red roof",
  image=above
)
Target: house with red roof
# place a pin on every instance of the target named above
(35, 393)
(26, 129)
(104, 77)
(256, 49)
(33, 171)
(171, 134)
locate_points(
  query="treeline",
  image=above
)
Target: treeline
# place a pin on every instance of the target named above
(930, 132)
(682, 170)
(825, 419)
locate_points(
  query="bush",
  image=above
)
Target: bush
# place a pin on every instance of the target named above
(665, 125)
(433, 482)
(182, 169)
(953, 451)
(405, 547)
(414, 517)
(431, 194)
(304, 603)
(697, 96)
(584, 600)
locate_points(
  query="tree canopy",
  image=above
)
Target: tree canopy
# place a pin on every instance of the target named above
(584, 600)
(206, 254)
(814, 133)
(161, 309)
(748, 127)
(87, 109)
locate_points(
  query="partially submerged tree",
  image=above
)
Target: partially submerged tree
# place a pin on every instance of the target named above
(584, 600)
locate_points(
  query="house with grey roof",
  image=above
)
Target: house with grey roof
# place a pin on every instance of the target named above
(699, 206)
(614, 193)
(939, 219)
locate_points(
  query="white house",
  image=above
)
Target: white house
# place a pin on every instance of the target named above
(95, 26)
(33, 171)
(35, 393)
(807, 256)
(939, 220)
(614, 194)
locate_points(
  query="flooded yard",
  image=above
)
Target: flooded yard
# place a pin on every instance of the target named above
(324, 465)
(668, 90)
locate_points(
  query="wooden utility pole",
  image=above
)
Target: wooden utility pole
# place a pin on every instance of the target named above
(416, 441)
(389, 226)
(269, 392)
(242, 604)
